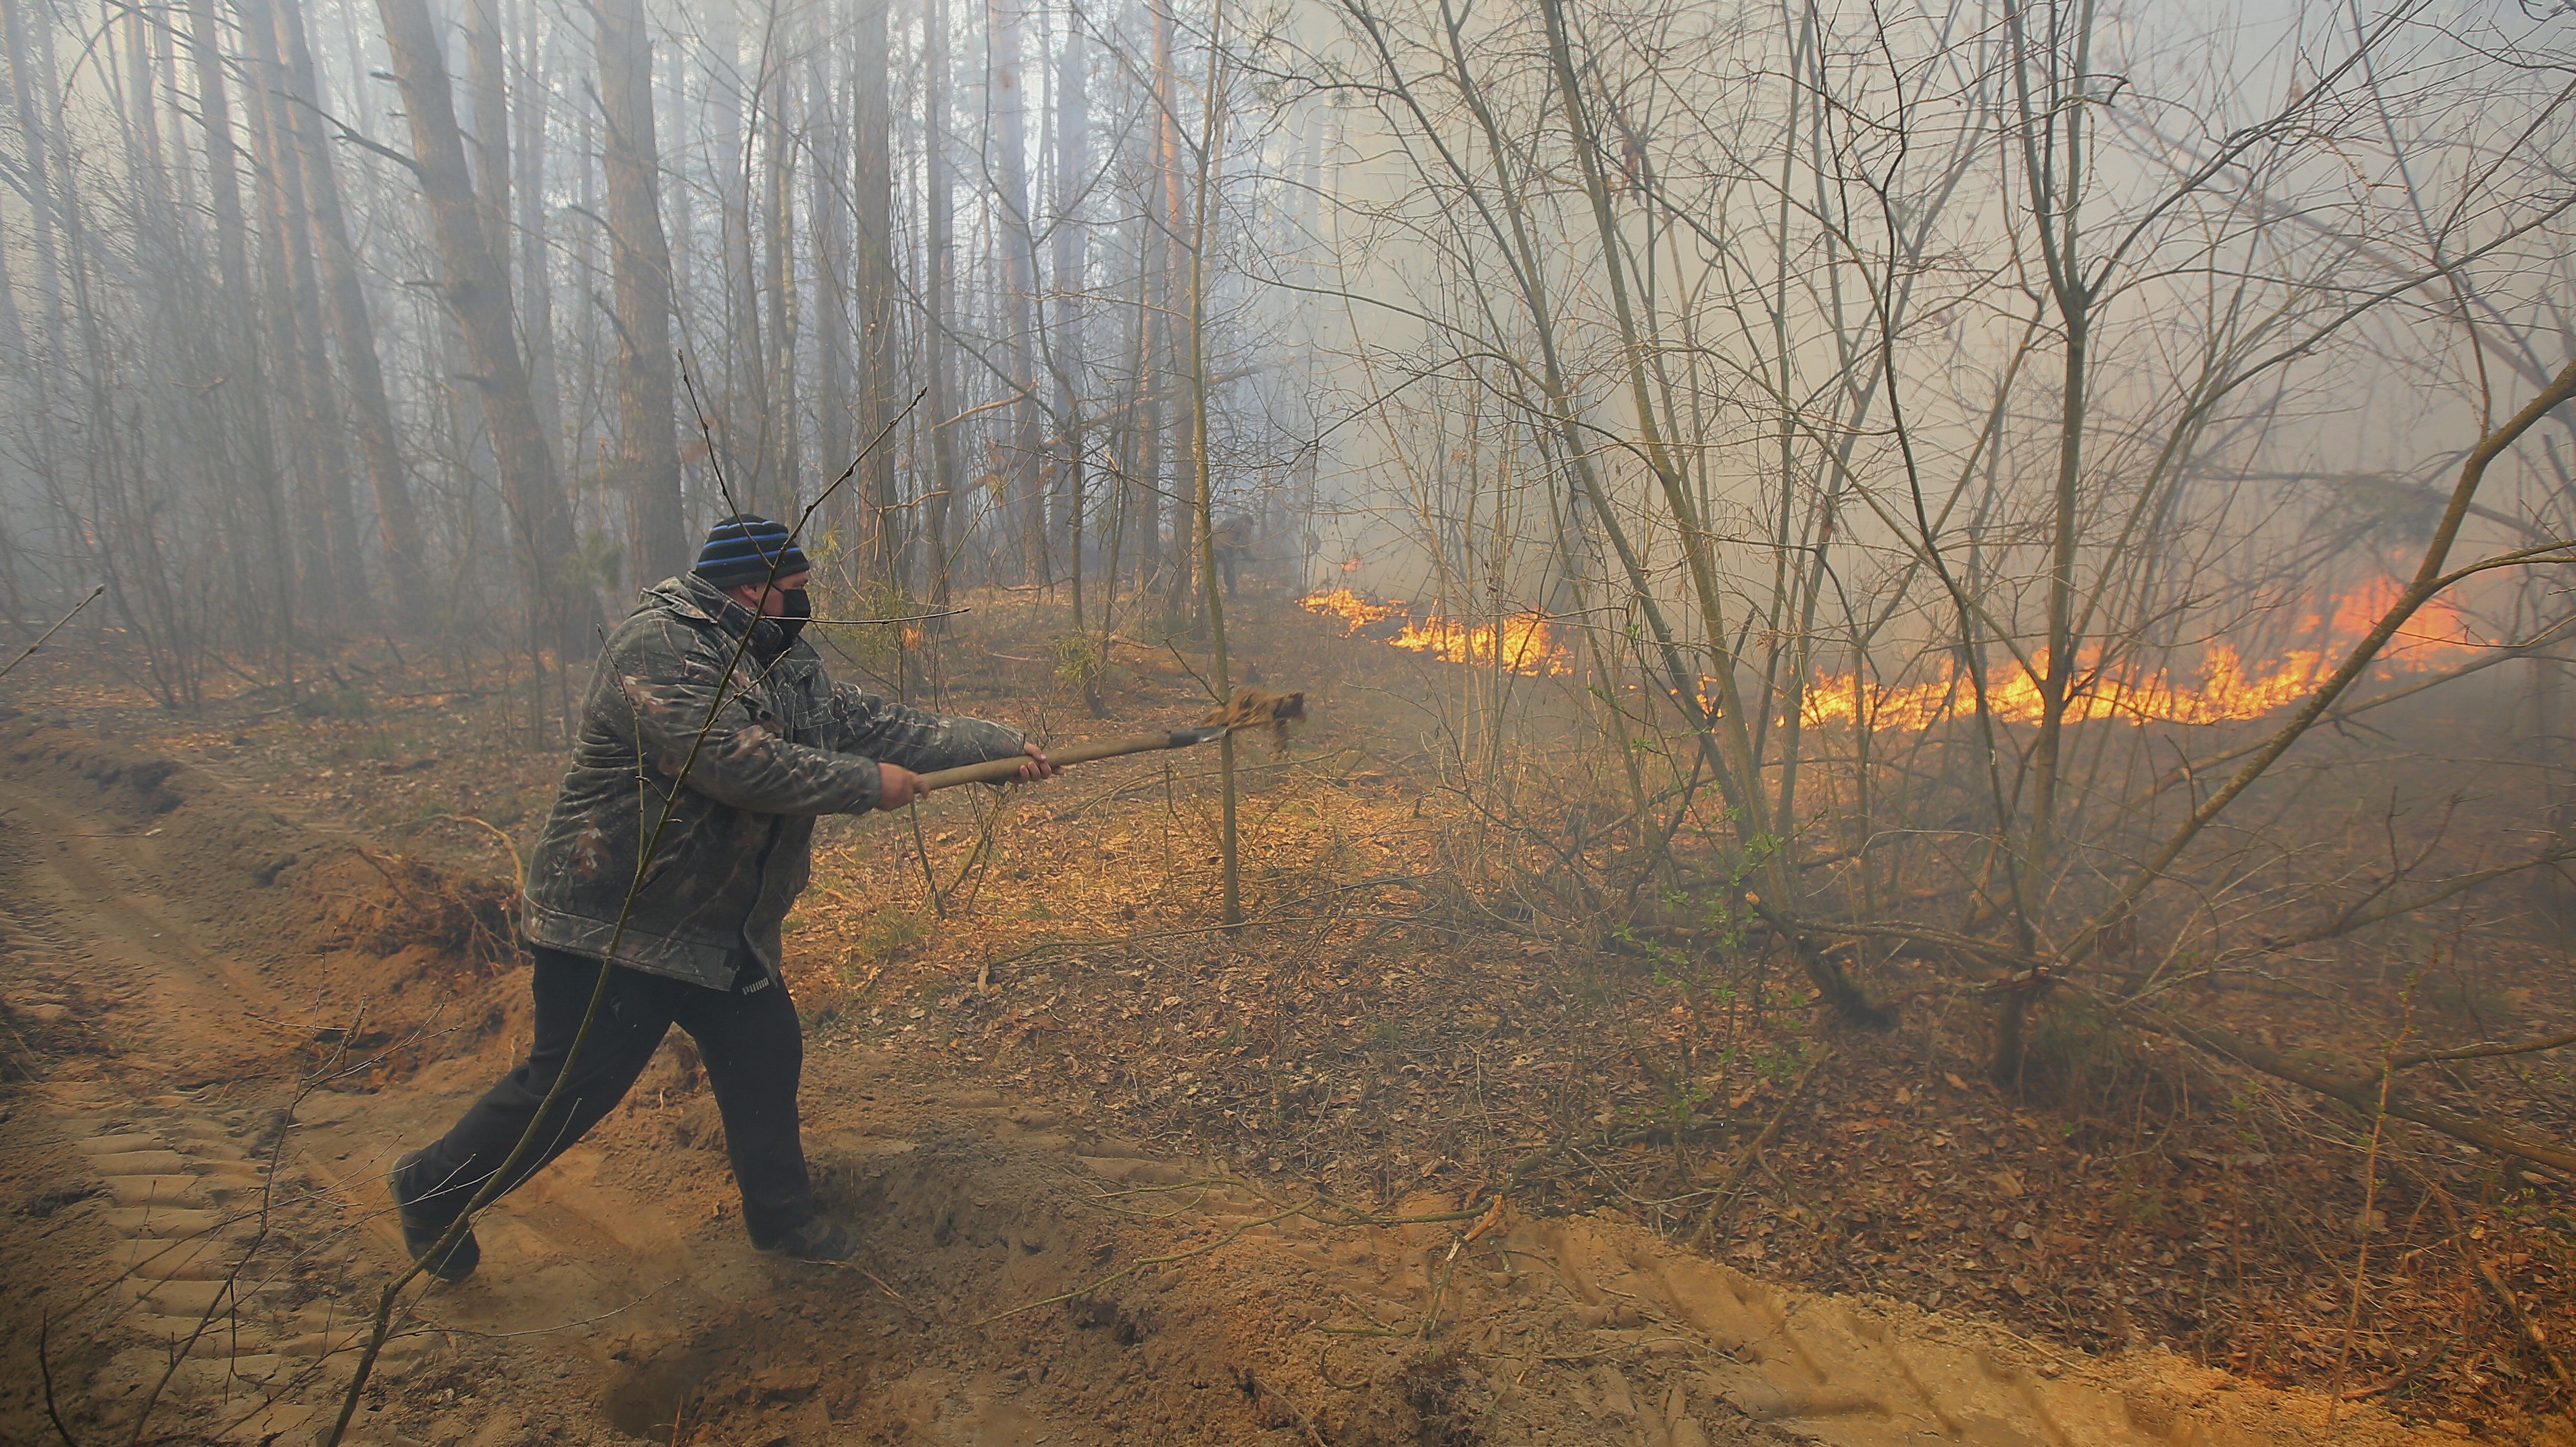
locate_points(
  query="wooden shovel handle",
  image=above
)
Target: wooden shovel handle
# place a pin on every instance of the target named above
(995, 771)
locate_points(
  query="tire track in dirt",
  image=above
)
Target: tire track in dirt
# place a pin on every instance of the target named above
(199, 1314)
(188, 1208)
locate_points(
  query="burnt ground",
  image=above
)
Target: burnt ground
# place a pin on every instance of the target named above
(1056, 1074)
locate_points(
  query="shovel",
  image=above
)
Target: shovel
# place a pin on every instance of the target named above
(1251, 709)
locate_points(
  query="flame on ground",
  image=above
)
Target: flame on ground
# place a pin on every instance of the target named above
(1522, 643)
(2228, 690)
(1355, 611)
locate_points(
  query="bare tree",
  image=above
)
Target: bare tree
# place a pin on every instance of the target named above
(398, 529)
(640, 261)
(477, 291)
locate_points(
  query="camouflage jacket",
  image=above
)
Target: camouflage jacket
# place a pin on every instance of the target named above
(787, 744)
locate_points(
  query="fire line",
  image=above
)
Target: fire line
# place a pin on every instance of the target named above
(1522, 643)
(2228, 688)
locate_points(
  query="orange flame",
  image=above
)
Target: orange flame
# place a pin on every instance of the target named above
(2433, 636)
(2436, 636)
(1522, 643)
(1355, 611)
(2227, 690)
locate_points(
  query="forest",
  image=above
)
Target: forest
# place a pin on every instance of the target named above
(1888, 678)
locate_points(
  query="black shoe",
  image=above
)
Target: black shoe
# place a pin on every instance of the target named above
(420, 1232)
(818, 1239)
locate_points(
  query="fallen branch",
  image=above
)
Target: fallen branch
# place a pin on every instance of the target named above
(2354, 1086)
(873, 1279)
(2429, 580)
(2399, 1383)
(1638, 1136)
(2485, 1052)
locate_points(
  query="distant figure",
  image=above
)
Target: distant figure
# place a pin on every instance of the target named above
(1232, 537)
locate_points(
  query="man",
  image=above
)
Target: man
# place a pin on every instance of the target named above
(710, 740)
(1231, 540)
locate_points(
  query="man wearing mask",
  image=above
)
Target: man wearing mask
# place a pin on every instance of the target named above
(707, 706)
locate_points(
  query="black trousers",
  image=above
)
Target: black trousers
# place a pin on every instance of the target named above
(753, 1048)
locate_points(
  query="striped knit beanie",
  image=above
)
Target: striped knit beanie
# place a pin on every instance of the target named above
(749, 548)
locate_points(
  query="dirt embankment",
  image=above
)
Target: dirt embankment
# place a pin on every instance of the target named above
(222, 1026)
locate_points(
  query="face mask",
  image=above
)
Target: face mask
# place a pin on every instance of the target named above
(799, 608)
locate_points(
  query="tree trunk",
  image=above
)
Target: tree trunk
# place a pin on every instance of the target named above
(1016, 238)
(290, 385)
(329, 527)
(826, 209)
(477, 291)
(1202, 469)
(942, 489)
(487, 105)
(784, 466)
(536, 290)
(1145, 415)
(741, 424)
(648, 450)
(1168, 304)
(398, 533)
(1072, 161)
(878, 286)
(244, 400)
(31, 95)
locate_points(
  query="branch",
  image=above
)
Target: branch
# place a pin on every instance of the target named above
(388, 152)
(31, 648)
(2485, 1052)
(2347, 1083)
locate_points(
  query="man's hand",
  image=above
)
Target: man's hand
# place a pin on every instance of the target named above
(1037, 766)
(897, 786)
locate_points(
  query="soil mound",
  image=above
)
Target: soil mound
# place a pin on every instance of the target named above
(346, 894)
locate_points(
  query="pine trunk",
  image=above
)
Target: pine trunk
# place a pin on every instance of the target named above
(826, 211)
(536, 291)
(398, 534)
(328, 527)
(1072, 161)
(648, 450)
(258, 507)
(477, 291)
(1016, 238)
(879, 290)
(942, 490)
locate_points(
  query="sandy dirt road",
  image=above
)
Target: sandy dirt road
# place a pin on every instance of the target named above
(217, 1040)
